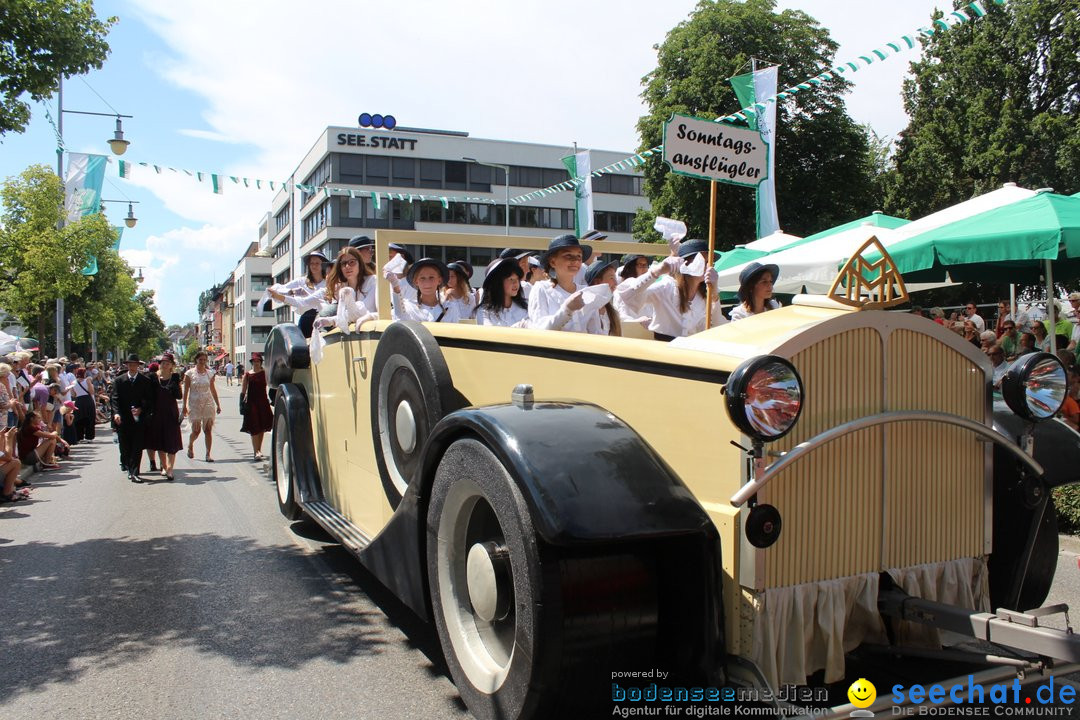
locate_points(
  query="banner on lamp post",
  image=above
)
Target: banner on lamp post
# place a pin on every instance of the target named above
(709, 150)
(82, 188)
(579, 166)
(752, 89)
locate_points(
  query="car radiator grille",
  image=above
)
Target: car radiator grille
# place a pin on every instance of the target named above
(891, 496)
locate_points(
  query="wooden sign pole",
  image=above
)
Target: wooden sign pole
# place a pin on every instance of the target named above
(709, 257)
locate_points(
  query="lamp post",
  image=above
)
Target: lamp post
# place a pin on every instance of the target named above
(118, 145)
(506, 175)
(130, 220)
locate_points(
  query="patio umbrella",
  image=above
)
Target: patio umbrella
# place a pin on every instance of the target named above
(11, 343)
(813, 264)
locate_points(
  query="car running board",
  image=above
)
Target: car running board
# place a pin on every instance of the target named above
(1011, 628)
(337, 525)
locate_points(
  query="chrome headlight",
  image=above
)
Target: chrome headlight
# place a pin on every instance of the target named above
(1035, 386)
(764, 397)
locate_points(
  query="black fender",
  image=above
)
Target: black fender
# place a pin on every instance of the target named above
(595, 487)
(286, 350)
(587, 476)
(292, 400)
(1057, 446)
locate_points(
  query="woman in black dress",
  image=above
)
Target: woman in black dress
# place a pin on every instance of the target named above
(259, 418)
(163, 432)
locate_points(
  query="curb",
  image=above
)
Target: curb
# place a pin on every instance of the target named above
(1069, 544)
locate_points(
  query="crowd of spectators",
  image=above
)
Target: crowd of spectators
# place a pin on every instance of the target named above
(45, 410)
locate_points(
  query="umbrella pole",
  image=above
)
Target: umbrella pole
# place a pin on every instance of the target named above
(1012, 302)
(1050, 307)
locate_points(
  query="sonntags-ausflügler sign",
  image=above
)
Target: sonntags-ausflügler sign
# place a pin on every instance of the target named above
(715, 151)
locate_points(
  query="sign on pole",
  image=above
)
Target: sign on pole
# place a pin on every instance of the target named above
(714, 151)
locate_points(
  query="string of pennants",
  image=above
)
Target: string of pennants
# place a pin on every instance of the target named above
(905, 43)
(218, 182)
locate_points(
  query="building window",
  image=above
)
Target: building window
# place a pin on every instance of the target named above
(282, 248)
(260, 283)
(431, 211)
(283, 277)
(403, 172)
(316, 221)
(378, 170)
(614, 221)
(431, 173)
(456, 172)
(351, 169)
(282, 314)
(281, 220)
(318, 177)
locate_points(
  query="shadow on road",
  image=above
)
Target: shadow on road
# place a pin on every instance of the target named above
(103, 603)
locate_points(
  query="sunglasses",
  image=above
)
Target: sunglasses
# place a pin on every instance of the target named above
(349, 263)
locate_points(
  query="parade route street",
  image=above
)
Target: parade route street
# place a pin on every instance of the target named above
(196, 599)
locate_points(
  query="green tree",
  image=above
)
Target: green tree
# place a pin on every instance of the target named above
(992, 101)
(823, 166)
(40, 40)
(108, 305)
(42, 262)
(148, 338)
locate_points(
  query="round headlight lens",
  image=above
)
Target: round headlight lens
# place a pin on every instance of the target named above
(764, 397)
(1035, 386)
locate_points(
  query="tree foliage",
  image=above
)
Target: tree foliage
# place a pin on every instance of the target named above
(40, 40)
(823, 164)
(992, 101)
(42, 262)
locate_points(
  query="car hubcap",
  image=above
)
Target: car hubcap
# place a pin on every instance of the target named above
(488, 575)
(406, 427)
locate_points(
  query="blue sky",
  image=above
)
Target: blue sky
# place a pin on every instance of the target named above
(244, 88)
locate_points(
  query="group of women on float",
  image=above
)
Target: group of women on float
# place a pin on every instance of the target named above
(558, 290)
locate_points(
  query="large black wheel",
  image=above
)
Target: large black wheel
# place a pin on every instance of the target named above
(283, 467)
(411, 392)
(525, 633)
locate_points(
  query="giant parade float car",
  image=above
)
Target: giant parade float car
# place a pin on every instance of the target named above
(824, 492)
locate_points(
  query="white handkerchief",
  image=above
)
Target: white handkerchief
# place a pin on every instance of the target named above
(670, 228)
(695, 268)
(595, 297)
(397, 264)
(316, 347)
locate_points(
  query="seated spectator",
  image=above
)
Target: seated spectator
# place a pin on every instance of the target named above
(937, 315)
(1003, 316)
(36, 443)
(987, 339)
(1057, 324)
(7, 397)
(997, 359)
(1042, 340)
(972, 314)
(1009, 342)
(971, 334)
(1027, 344)
(10, 467)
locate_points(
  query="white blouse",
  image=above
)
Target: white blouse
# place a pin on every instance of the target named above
(306, 297)
(508, 317)
(661, 303)
(547, 312)
(628, 300)
(406, 309)
(739, 312)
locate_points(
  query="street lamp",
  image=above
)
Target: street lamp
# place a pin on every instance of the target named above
(130, 220)
(118, 145)
(506, 174)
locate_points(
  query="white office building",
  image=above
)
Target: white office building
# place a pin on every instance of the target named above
(251, 326)
(409, 161)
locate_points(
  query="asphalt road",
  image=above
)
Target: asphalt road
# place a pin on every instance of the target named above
(196, 599)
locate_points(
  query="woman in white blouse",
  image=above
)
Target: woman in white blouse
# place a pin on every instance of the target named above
(502, 303)
(305, 293)
(428, 276)
(755, 290)
(558, 304)
(350, 292)
(602, 272)
(458, 290)
(676, 304)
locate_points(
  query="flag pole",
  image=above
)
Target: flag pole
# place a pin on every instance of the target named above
(709, 256)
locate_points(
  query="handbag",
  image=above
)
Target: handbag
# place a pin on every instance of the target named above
(244, 405)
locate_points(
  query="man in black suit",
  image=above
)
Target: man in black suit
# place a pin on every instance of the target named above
(132, 400)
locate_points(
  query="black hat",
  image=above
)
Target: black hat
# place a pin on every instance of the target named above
(462, 267)
(515, 253)
(689, 247)
(629, 260)
(593, 236)
(360, 241)
(597, 269)
(428, 262)
(314, 253)
(133, 357)
(401, 249)
(500, 270)
(564, 241)
(754, 268)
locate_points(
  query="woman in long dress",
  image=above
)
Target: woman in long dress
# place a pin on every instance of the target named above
(259, 419)
(163, 430)
(200, 401)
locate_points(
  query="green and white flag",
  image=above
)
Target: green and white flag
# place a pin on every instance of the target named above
(579, 166)
(749, 88)
(125, 169)
(82, 189)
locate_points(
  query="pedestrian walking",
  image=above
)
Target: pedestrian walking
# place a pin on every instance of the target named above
(131, 402)
(229, 370)
(200, 401)
(258, 418)
(163, 431)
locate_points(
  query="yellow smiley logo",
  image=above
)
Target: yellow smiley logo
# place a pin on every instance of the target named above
(862, 693)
